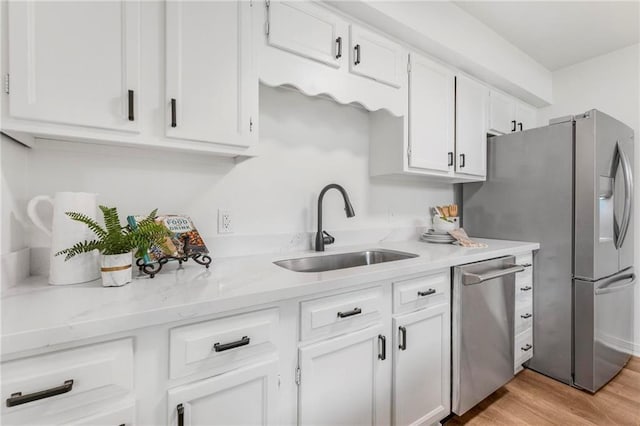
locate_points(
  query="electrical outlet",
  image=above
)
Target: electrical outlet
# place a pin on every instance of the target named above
(224, 222)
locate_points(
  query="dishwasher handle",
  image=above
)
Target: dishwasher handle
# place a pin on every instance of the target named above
(469, 278)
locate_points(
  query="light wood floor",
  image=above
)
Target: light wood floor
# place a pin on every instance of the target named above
(533, 399)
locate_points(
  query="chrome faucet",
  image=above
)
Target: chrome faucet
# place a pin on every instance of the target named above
(322, 236)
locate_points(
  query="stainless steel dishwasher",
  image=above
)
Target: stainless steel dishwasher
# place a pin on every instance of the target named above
(482, 330)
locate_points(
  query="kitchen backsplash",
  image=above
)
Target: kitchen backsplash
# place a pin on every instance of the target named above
(305, 143)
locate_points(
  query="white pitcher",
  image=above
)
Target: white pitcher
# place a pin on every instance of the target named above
(64, 233)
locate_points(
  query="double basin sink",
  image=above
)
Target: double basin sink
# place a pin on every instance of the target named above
(343, 260)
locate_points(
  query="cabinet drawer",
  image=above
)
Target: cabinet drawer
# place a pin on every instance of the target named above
(524, 318)
(523, 347)
(526, 276)
(429, 290)
(524, 294)
(337, 314)
(74, 378)
(221, 343)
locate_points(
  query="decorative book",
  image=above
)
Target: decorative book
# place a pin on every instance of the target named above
(185, 240)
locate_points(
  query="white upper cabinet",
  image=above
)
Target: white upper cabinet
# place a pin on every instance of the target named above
(307, 30)
(211, 81)
(376, 57)
(506, 114)
(526, 116)
(75, 63)
(431, 115)
(471, 127)
(502, 113)
(308, 45)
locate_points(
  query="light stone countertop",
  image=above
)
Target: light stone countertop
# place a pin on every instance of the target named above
(36, 315)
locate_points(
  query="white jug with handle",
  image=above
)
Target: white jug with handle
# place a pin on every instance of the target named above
(64, 233)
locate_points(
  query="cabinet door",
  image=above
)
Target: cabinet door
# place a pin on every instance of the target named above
(344, 381)
(502, 113)
(307, 30)
(122, 416)
(431, 115)
(526, 116)
(75, 62)
(211, 82)
(246, 396)
(471, 127)
(376, 57)
(421, 366)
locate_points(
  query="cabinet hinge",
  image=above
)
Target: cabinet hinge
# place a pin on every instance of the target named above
(250, 124)
(266, 24)
(409, 152)
(298, 376)
(6, 84)
(409, 64)
(250, 3)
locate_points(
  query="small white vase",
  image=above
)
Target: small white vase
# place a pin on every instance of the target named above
(116, 269)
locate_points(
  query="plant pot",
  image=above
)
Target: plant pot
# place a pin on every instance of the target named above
(116, 269)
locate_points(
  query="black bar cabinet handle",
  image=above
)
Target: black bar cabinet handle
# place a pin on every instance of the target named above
(513, 123)
(525, 265)
(450, 156)
(526, 347)
(382, 354)
(180, 409)
(173, 113)
(357, 50)
(354, 311)
(221, 347)
(403, 338)
(18, 398)
(525, 316)
(527, 288)
(520, 125)
(427, 293)
(339, 43)
(462, 160)
(131, 117)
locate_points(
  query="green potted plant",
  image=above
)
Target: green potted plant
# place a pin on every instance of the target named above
(116, 243)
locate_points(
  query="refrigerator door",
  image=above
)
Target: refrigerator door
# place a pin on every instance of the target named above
(624, 209)
(603, 196)
(528, 196)
(603, 328)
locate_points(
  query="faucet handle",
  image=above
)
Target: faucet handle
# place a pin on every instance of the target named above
(328, 238)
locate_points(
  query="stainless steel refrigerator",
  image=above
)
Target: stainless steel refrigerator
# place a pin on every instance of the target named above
(569, 186)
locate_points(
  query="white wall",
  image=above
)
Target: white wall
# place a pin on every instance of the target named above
(609, 83)
(305, 143)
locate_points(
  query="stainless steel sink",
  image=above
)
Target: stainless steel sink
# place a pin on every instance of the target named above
(344, 260)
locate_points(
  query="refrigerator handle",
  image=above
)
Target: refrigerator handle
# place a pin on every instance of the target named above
(628, 195)
(621, 283)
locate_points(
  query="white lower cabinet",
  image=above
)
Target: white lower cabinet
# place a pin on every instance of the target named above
(345, 380)
(523, 318)
(120, 416)
(421, 366)
(245, 396)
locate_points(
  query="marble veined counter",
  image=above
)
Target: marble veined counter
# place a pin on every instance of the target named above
(35, 314)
